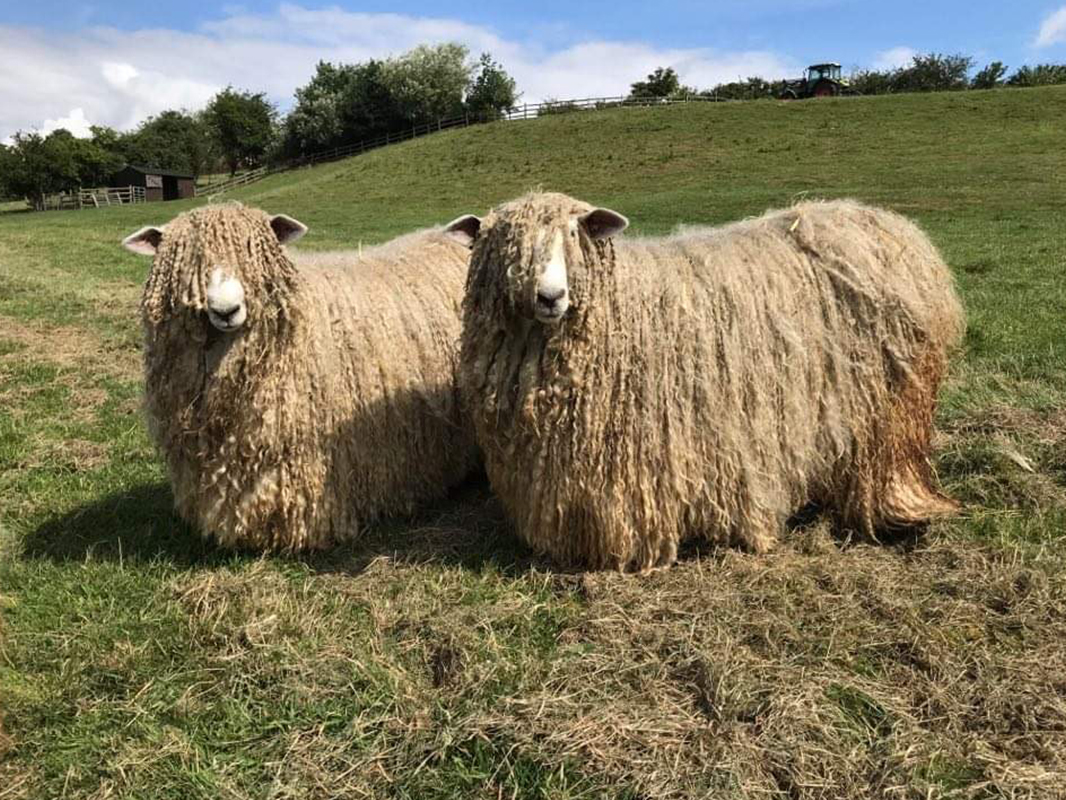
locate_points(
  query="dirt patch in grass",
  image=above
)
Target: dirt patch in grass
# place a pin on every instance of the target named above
(70, 348)
(73, 455)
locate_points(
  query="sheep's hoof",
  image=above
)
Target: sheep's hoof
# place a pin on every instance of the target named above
(909, 501)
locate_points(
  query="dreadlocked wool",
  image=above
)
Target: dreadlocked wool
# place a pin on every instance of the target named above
(333, 404)
(707, 384)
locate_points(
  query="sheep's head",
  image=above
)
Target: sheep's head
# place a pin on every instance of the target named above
(221, 264)
(538, 251)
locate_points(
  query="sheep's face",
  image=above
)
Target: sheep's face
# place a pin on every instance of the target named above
(560, 258)
(222, 278)
(227, 309)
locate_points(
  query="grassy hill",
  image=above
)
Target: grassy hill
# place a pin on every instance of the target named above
(438, 657)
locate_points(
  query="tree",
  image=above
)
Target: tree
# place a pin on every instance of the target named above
(990, 77)
(35, 165)
(242, 125)
(316, 122)
(491, 91)
(173, 140)
(661, 83)
(429, 82)
(371, 107)
(1040, 75)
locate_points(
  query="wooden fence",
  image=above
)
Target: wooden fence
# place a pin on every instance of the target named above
(92, 198)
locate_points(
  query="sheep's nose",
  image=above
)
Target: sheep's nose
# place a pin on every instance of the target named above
(226, 316)
(548, 298)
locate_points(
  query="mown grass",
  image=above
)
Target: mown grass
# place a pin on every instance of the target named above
(438, 657)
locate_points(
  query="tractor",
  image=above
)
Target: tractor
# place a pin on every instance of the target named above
(819, 80)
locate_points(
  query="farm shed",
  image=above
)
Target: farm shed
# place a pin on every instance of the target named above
(158, 184)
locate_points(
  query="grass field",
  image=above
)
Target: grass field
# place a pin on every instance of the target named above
(438, 657)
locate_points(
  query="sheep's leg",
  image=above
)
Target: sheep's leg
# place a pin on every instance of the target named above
(908, 493)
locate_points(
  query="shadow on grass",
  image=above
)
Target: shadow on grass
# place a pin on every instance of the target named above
(137, 525)
(467, 529)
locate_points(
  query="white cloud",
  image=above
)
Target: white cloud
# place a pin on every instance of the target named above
(74, 122)
(894, 57)
(1052, 29)
(44, 74)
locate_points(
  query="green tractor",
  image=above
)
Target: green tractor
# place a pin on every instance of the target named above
(819, 80)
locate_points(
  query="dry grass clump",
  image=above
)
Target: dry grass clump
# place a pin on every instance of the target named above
(707, 384)
(333, 405)
(1004, 457)
(70, 348)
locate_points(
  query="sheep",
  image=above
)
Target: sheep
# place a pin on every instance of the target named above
(295, 396)
(630, 394)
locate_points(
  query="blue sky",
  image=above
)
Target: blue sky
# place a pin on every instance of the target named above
(115, 62)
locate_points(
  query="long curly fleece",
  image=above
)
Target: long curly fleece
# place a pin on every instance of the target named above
(335, 404)
(707, 384)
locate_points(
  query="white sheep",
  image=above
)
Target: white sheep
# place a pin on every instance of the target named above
(296, 397)
(630, 394)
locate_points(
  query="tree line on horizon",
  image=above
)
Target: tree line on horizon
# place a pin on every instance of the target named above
(343, 104)
(927, 72)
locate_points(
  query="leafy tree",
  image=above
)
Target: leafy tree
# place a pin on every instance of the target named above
(317, 120)
(371, 107)
(173, 140)
(429, 82)
(491, 91)
(242, 125)
(990, 77)
(661, 83)
(35, 165)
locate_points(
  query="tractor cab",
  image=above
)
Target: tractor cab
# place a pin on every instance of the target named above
(818, 72)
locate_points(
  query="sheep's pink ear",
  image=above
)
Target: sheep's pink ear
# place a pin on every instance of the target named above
(145, 241)
(464, 229)
(287, 229)
(602, 223)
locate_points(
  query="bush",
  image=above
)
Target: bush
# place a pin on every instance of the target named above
(1040, 75)
(990, 77)
(661, 83)
(933, 72)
